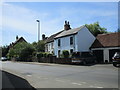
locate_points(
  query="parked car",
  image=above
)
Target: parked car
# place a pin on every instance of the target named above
(116, 59)
(4, 59)
(83, 58)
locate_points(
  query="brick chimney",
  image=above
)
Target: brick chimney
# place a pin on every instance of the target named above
(66, 26)
(43, 37)
(17, 37)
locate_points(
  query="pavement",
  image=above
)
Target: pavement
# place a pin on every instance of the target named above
(11, 81)
(45, 75)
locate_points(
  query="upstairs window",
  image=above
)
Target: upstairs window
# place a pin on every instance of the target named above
(59, 42)
(71, 40)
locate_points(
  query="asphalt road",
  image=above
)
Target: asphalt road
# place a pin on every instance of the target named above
(64, 76)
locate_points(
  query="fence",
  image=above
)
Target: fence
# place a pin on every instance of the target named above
(55, 60)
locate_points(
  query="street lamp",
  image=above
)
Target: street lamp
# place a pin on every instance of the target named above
(38, 30)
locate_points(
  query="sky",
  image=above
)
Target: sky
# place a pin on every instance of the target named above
(19, 18)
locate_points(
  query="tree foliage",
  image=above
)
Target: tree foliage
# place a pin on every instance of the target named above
(96, 29)
(22, 51)
(40, 46)
(5, 51)
(26, 53)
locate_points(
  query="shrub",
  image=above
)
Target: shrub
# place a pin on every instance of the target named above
(23, 51)
(65, 54)
(43, 54)
(49, 55)
(27, 53)
(39, 55)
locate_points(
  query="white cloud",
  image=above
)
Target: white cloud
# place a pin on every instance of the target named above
(24, 19)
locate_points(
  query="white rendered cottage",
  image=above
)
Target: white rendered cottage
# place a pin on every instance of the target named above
(78, 39)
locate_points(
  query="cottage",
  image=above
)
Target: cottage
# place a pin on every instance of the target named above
(21, 39)
(49, 46)
(105, 46)
(77, 39)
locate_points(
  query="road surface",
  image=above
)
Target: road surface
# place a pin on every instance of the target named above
(43, 75)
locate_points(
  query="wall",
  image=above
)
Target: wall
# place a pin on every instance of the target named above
(81, 42)
(84, 39)
(65, 44)
(106, 55)
(106, 52)
(49, 47)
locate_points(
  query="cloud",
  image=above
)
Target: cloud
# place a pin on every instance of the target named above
(22, 19)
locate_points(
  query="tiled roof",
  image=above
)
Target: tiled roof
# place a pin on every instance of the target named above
(51, 38)
(107, 40)
(18, 40)
(69, 32)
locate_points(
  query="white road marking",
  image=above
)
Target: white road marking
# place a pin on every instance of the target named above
(45, 78)
(91, 86)
(77, 83)
(60, 80)
(99, 87)
(29, 75)
(83, 82)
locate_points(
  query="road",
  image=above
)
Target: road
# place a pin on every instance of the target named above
(43, 75)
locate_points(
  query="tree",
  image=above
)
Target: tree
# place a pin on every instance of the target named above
(22, 50)
(11, 53)
(96, 29)
(26, 53)
(5, 50)
(40, 46)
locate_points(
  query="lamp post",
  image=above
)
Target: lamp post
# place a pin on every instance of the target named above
(38, 29)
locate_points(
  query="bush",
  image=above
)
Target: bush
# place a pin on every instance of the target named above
(65, 54)
(43, 54)
(49, 55)
(23, 51)
(39, 55)
(27, 53)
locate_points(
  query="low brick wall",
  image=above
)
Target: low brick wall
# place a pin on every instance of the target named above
(55, 60)
(63, 60)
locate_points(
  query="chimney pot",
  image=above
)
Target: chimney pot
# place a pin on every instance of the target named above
(66, 26)
(43, 37)
(17, 37)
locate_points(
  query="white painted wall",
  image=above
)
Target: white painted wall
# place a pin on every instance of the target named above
(106, 54)
(65, 44)
(84, 39)
(50, 47)
(81, 42)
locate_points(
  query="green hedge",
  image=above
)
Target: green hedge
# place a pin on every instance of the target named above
(43, 54)
(65, 54)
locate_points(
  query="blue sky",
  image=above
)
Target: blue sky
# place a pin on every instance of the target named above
(19, 18)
